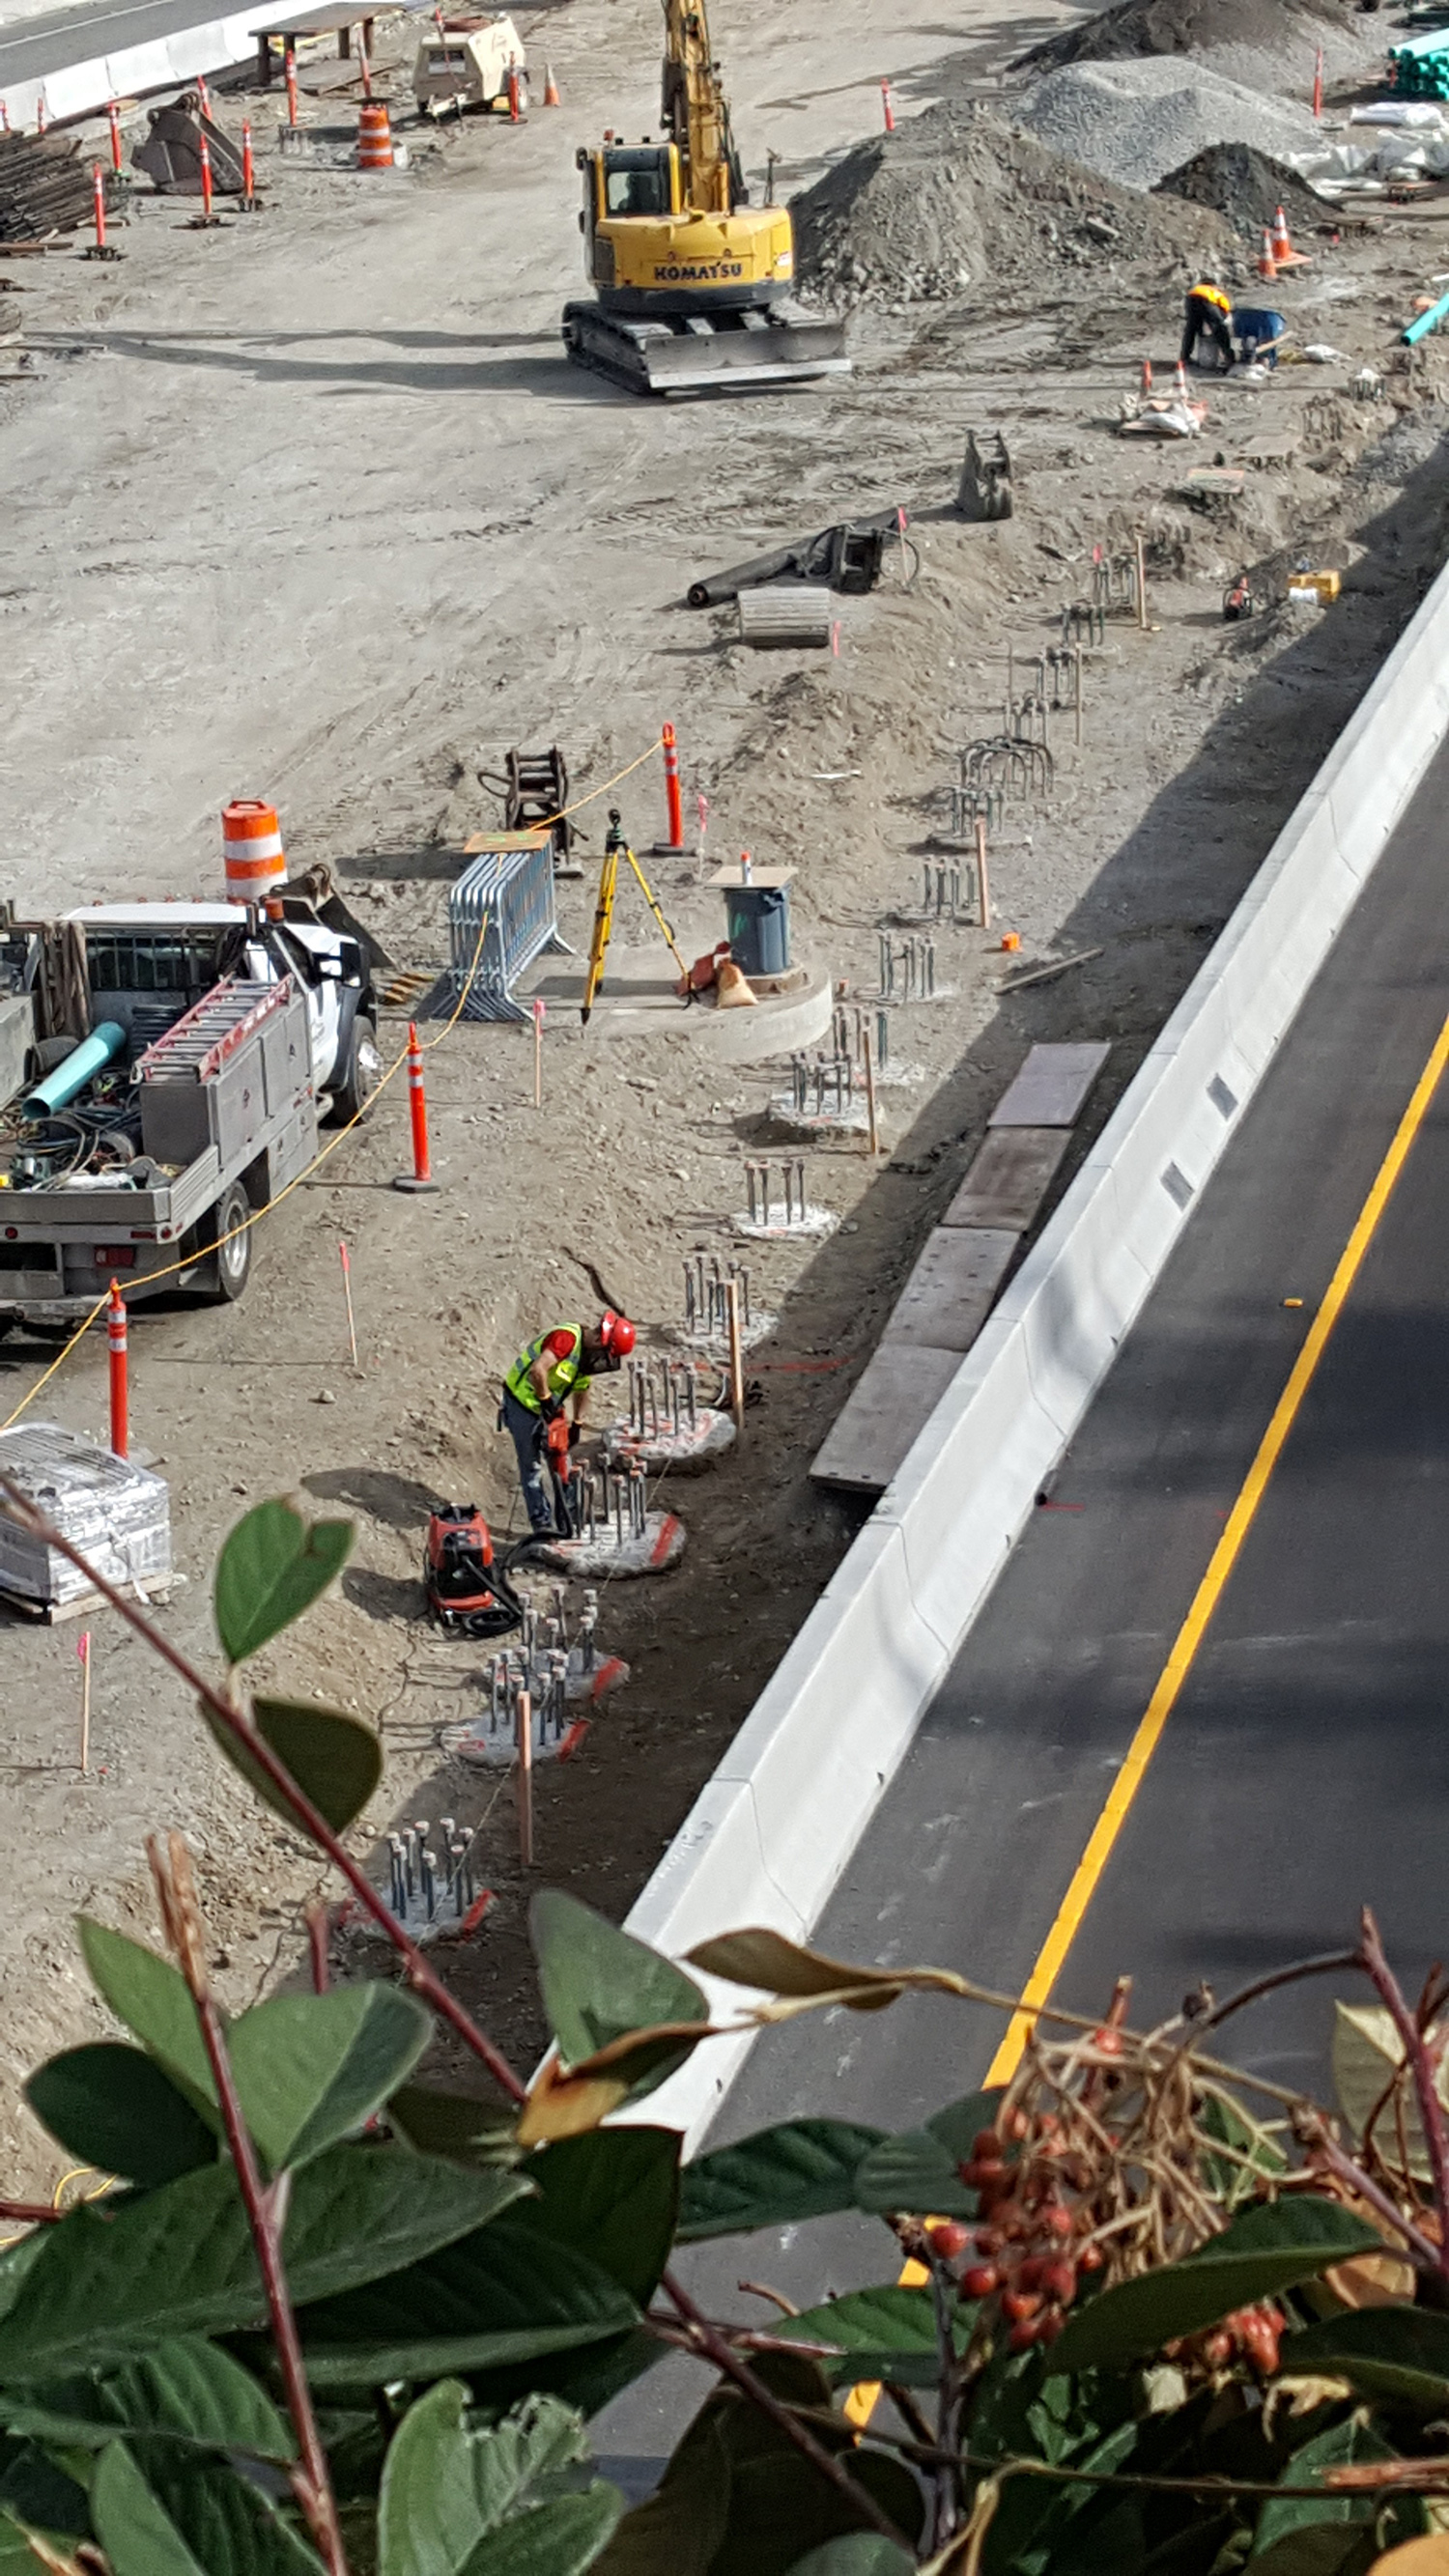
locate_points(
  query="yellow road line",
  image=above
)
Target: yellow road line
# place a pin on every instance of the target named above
(1052, 1956)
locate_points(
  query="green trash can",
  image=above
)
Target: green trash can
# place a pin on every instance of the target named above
(757, 918)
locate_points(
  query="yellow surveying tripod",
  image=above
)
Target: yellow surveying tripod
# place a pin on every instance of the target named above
(604, 912)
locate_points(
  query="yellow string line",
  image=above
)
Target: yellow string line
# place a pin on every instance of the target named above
(190, 1259)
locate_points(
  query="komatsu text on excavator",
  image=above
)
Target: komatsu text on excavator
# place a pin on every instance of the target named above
(693, 283)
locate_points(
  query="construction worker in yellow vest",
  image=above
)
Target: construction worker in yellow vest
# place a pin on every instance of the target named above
(553, 1374)
(1209, 317)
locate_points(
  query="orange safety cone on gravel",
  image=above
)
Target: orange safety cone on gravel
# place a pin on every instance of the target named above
(1282, 239)
(1147, 375)
(1267, 264)
(374, 136)
(550, 88)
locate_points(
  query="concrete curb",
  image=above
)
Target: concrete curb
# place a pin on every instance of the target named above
(775, 1827)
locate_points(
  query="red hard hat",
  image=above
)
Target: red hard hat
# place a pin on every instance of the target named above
(617, 1335)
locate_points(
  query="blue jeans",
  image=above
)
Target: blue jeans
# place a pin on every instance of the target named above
(526, 1429)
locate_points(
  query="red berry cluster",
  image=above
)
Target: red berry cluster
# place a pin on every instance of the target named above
(1027, 2242)
(1254, 2332)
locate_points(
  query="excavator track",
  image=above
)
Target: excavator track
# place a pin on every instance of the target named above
(738, 352)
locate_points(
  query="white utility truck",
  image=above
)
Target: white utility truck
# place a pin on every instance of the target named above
(163, 1069)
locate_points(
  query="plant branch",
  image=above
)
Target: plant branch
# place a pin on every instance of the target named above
(313, 1823)
(708, 2340)
(31, 2213)
(265, 2208)
(1431, 2109)
(1359, 2478)
(1321, 1966)
(1426, 2252)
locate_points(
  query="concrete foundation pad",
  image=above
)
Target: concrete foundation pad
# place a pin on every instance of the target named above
(661, 1546)
(685, 1452)
(816, 1221)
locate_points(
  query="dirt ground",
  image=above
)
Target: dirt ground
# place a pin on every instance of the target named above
(313, 508)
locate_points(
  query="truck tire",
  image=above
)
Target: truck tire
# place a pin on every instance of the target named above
(360, 1081)
(224, 1273)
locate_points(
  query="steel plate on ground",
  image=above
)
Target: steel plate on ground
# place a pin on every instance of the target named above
(1051, 1086)
(952, 1288)
(895, 1398)
(1009, 1178)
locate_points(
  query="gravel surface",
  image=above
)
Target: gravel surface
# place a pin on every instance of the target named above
(1135, 121)
(1187, 27)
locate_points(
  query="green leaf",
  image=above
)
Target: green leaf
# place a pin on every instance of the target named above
(862, 2554)
(558, 2539)
(1342, 2446)
(151, 1998)
(499, 2296)
(113, 2107)
(1401, 2354)
(1270, 2247)
(677, 2530)
(1228, 2180)
(959, 2124)
(187, 2389)
(599, 1983)
(913, 2174)
(466, 2126)
(334, 1758)
(139, 2538)
(113, 2279)
(885, 2333)
(612, 2194)
(1321, 2549)
(801, 2169)
(428, 2514)
(271, 1568)
(445, 2489)
(227, 2523)
(310, 2068)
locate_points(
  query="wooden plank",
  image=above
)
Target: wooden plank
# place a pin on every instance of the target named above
(1010, 1177)
(891, 1404)
(1051, 1086)
(952, 1288)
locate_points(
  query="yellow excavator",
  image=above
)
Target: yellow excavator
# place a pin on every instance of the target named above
(692, 281)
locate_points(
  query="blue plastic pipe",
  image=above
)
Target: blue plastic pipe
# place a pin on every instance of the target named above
(77, 1069)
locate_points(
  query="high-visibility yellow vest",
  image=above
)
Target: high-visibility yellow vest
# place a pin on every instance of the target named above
(565, 1376)
(1214, 295)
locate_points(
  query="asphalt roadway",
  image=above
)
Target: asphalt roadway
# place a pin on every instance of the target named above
(1304, 1768)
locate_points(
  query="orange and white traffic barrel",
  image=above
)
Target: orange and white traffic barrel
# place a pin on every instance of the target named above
(251, 840)
(374, 136)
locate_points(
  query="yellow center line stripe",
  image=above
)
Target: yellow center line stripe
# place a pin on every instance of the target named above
(860, 2405)
(1053, 1952)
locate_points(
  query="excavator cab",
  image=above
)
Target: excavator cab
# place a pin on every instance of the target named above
(640, 179)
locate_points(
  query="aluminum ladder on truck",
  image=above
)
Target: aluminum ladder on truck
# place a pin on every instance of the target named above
(196, 1046)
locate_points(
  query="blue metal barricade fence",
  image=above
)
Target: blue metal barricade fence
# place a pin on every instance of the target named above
(507, 893)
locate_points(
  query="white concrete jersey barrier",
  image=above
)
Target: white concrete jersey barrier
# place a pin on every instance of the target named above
(166, 63)
(775, 1827)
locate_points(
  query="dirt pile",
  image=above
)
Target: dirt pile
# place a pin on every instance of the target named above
(957, 198)
(1182, 27)
(1246, 186)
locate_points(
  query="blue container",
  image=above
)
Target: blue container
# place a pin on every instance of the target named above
(1253, 327)
(757, 919)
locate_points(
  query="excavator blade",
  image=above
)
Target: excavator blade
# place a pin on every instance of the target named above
(731, 353)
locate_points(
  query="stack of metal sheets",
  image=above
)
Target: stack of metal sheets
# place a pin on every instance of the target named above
(113, 1510)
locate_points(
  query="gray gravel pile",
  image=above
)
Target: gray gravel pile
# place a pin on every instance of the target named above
(957, 200)
(1135, 121)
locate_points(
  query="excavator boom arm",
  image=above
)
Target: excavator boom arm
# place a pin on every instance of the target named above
(695, 112)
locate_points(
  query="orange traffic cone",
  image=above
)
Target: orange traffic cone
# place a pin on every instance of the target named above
(550, 88)
(1147, 375)
(1181, 381)
(1282, 242)
(1267, 264)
